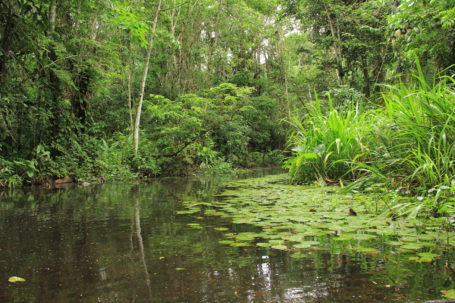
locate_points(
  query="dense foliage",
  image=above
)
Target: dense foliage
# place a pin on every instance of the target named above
(76, 77)
(120, 89)
(369, 130)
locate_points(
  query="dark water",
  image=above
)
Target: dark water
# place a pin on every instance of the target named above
(125, 243)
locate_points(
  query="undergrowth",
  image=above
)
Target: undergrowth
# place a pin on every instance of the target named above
(405, 145)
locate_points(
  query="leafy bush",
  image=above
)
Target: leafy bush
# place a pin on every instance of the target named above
(423, 142)
(204, 130)
(212, 131)
(113, 159)
(407, 145)
(345, 96)
(8, 175)
(325, 145)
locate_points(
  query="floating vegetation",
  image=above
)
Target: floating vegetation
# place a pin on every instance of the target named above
(15, 279)
(298, 218)
(195, 225)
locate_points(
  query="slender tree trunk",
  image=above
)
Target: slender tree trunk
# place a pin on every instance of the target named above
(286, 84)
(144, 79)
(378, 71)
(338, 52)
(129, 82)
(130, 98)
(5, 45)
(54, 81)
(52, 15)
(366, 77)
(171, 85)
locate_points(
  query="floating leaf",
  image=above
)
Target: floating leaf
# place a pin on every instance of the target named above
(427, 255)
(346, 236)
(188, 212)
(367, 250)
(449, 294)
(294, 238)
(15, 279)
(228, 242)
(247, 236)
(412, 246)
(306, 244)
(424, 257)
(264, 244)
(394, 243)
(280, 247)
(298, 255)
(363, 237)
(240, 244)
(195, 225)
(221, 228)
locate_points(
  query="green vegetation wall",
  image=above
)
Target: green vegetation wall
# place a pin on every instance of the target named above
(204, 83)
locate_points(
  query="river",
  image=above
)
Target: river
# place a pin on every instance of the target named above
(125, 242)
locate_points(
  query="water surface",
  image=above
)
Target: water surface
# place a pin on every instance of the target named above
(124, 242)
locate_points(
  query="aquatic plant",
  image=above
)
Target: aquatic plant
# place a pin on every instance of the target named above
(422, 144)
(293, 218)
(326, 145)
(407, 144)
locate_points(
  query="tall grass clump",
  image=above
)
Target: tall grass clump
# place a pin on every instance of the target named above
(407, 145)
(326, 144)
(418, 133)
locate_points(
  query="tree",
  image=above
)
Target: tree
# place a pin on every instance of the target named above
(345, 30)
(425, 29)
(144, 77)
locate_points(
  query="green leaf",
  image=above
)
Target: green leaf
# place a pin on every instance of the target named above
(367, 250)
(15, 279)
(449, 294)
(412, 246)
(363, 237)
(263, 244)
(306, 244)
(427, 255)
(221, 228)
(280, 247)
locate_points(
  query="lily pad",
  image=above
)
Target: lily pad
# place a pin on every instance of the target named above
(15, 279)
(289, 216)
(188, 212)
(306, 244)
(412, 246)
(449, 294)
(264, 244)
(368, 250)
(221, 228)
(247, 236)
(364, 237)
(280, 247)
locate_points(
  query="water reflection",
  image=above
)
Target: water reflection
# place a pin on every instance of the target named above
(125, 243)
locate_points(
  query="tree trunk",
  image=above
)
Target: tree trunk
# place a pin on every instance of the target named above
(366, 77)
(144, 79)
(54, 81)
(5, 45)
(130, 98)
(338, 52)
(52, 15)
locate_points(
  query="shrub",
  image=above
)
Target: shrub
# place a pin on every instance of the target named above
(325, 145)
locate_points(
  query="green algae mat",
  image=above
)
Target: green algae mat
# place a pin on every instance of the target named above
(299, 218)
